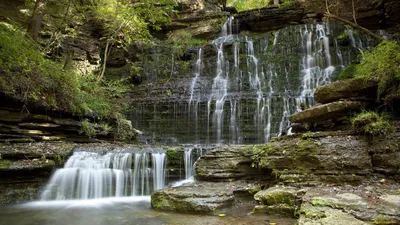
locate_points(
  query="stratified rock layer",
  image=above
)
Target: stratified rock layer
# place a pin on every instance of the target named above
(227, 164)
(202, 197)
(352, 89)
(327, 111)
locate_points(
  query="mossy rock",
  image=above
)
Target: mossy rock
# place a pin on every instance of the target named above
(327, 111)
(277, 195)
(278, 209)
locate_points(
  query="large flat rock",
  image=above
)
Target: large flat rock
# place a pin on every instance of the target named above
(327, 111)
(378, 203)
(353, 89)
(200, 197)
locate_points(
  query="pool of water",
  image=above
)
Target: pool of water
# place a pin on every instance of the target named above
(119, 211)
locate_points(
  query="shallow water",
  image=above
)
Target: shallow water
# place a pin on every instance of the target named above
(119, 211)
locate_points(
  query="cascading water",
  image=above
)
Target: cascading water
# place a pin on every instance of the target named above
(250, 85)
(188, 163)
(90, 175)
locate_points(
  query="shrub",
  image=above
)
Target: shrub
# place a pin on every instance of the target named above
(124, 129)
(371, 124)
(87, 129)
(382, 63)
(348, 72)
(28, 76)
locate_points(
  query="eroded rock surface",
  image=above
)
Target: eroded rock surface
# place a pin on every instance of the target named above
(200, 197)
(228, 163)
(352, 89)
(327, 111)
(377, 203)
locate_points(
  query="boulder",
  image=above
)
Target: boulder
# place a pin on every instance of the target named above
(352, 89)
(200, 197)
(327, 111)
(376, 204)
(276, 200)
(277, 195)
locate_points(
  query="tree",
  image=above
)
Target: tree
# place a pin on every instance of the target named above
(35, 22)
(127, 21)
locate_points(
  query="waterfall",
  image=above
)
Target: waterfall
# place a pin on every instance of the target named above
(90, 175)
(188, 163)
(197, 72)
(244, 88)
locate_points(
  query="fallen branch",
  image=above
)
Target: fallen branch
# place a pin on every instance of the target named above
(329, 15)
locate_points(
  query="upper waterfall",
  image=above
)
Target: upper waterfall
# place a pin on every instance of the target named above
(245, 86)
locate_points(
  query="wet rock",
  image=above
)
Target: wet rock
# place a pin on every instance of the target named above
(277, 195)
(227, 164)
(276, 200)
(360, 205)
(51, 150)
(352, 89)
(269, 18)
(311, 160)
(328, 217)
(200, 197)
(13, 193)
(276, 209)
(327, 111)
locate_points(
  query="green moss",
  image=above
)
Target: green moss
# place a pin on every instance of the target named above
(372, 124)
(382, 220)
(174, 157)
(4, 164)
(313, 213)
(348, 73)
(87, 129)
(319, 202)
(309, 134)
(260, 154)
(382, 64)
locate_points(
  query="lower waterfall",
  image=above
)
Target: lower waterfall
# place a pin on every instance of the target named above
(92, 174)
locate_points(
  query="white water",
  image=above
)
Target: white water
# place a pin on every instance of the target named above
(245, 91)
(189, 167)
(93, 175)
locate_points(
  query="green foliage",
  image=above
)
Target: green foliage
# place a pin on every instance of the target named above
(260, 154)
(27, 75)
(308, 135)
(87, 128)
(371, 124)
(124, 129)
(348, 72)
(382, 63)
(180, 40)
(130, 20)
(243, 5)
(4, 164)
(105, 127)
(286, 4)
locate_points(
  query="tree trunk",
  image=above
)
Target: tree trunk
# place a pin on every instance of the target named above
(329, 15)
(35, 22)
(276, 2)
(103, 69)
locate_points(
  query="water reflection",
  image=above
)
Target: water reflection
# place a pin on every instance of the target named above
(119, 211)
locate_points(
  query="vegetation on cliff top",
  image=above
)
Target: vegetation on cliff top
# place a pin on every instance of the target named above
(27, 75)
(372, 124)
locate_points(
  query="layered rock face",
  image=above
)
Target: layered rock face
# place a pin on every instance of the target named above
(336, 102)
(320, 176)
(25, 168)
